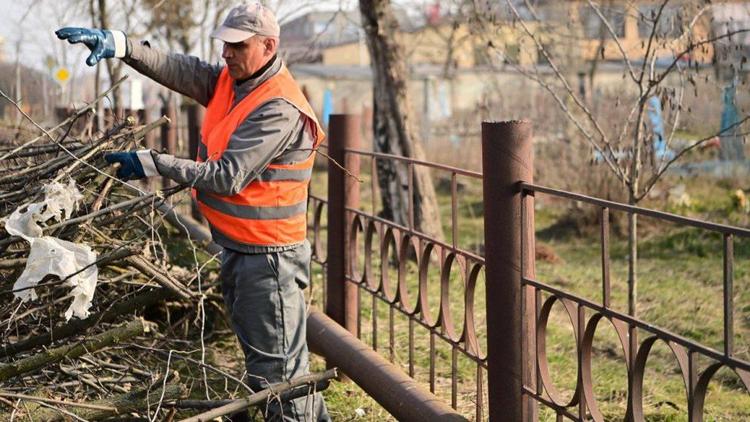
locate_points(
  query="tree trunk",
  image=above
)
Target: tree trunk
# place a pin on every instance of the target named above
(393, 127)
(114, 67)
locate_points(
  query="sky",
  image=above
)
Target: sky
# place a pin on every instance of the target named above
(28, 26)
(27, 31)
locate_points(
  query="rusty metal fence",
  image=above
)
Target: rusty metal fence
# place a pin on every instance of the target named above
(586, 316)
(388, 284)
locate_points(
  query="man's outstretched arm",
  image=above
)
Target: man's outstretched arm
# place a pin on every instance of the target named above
(185, 74)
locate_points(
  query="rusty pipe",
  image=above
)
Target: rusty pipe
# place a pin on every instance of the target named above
(400, 395)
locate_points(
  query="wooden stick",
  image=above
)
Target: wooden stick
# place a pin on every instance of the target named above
(262, 396)
(78, 326)
(213, 404)
(118, 405)
(164, 279)
(99, 341)
(65, 122)
(53, 401)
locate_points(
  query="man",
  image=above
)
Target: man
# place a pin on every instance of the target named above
(250, 181)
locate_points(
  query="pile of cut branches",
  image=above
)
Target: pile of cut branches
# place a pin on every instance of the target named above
(137, 345)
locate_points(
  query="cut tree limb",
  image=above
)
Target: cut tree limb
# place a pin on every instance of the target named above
(117, 405)
(213, 404)
(262, 396)
(164, 279)
(77, 326)
(49, 357)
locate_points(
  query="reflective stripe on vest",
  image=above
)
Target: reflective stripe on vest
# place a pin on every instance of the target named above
(272, 209)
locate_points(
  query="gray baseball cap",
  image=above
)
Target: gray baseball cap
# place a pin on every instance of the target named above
(246, 20)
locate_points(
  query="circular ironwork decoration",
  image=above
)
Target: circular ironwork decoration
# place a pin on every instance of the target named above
(407, 253)
(355, 233)
(541, 344)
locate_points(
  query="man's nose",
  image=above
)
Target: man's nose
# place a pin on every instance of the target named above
(226, 52)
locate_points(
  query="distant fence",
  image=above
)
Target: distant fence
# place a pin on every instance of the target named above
(379, 273)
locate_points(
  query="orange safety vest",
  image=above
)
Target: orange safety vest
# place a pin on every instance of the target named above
(272, 209)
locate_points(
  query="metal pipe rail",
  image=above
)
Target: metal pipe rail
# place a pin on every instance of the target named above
(399, 394)
(661, 215)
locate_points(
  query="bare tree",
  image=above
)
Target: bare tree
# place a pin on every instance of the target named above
(393, 124)
(659, 69)
(121, 17)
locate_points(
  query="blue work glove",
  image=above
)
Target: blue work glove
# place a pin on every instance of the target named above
(103, 44)
(133, 164)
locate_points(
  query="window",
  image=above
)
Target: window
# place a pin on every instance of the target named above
(594, 28)
(669, 24)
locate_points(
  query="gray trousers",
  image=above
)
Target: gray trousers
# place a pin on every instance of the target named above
(263, 294)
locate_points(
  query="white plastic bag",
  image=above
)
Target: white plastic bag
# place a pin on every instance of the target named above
(48, 255)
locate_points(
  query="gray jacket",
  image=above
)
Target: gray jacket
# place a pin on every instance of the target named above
(274, 133)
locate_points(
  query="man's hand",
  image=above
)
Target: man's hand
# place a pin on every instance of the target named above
(133, 164)
(103, 44)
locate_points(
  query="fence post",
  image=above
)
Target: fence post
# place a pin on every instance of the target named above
(507, 158)
(169, 134)
(343, 192)
(194, 122)
(195, 114)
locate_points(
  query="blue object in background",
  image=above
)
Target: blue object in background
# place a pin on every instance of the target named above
(327, 106)
(729, 116)
(731, 141)
(657, 127)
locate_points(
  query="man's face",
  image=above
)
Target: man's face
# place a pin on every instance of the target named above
(246, 57)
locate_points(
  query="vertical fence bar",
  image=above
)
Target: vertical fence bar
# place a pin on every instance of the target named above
(454, 209)
(728, 295)
(391, 334)
(537, 313)
(581, 327)
(480, 393)
(373, 184)
(506, 161)
(343, 192)
(454, 377)
(692, 380)
(605, 257)
(432, 362)
(374, 322)
(411, 347)
(410, 184)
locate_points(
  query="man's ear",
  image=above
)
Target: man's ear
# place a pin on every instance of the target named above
(271, 44)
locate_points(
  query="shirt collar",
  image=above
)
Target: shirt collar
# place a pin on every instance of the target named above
(244, 87)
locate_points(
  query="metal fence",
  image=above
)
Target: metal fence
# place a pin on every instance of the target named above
(586, 316)
(379, 273)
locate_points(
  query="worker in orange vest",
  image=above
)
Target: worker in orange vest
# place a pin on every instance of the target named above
(250, 180)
